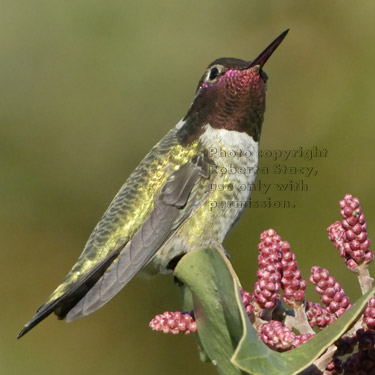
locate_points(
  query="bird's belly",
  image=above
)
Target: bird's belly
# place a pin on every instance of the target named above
(235, 158)
(227, 199)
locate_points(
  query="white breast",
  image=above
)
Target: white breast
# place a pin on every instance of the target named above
(230, 139)
(230, 148)
(236, 156)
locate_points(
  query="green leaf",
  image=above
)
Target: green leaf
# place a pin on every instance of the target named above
(225, 331)
(206, 273)
(187, 303)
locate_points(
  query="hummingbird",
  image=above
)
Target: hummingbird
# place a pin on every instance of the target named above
(188, 192)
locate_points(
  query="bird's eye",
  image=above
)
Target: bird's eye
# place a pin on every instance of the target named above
(214, 72)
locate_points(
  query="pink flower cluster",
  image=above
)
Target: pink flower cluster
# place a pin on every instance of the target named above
(369, 314)
(174, 322)
(246, 300)
(350, 234)
(277, 269)
(332, 294)
(291, 282)
(318, 315)
(280, 337)
(266, 290)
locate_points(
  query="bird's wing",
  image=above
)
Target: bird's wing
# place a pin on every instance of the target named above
(116, 244)
(66, 301)
(170, 211)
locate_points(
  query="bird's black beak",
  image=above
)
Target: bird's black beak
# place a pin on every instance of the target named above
(265, 55)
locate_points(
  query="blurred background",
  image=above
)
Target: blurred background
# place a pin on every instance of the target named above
(88, 87)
